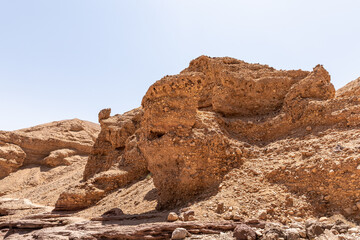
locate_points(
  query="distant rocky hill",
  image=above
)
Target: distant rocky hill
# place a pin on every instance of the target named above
(225, 145)
(48, 144)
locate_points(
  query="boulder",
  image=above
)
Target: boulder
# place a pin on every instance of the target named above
(11, 158)
(244, 232)
(180, 233)
(59, 157)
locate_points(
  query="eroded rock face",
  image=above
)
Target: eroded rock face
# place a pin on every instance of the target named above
(114, 137)
(11, 158)
(195, 122)
(115, 161)
(193, 127)
(186, 163)
(349, 90)
(48, 144)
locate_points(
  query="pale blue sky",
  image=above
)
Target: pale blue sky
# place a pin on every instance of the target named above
(63, 59)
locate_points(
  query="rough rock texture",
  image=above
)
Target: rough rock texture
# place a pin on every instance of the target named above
(116, 138)
(196, 124)
(113, 230)
(115, 161)
(12, 206)
(223, 139)
(244, 232)
(11, 158)
(195, 127)
(350, 89)
(41, 144)
(327, 170)
(58, 226)
(183, 166)
(59, 157)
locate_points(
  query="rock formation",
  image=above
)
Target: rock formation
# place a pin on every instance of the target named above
(193, 128)
(48, 144)
(115, 161)
(196, 123)
(222, 140)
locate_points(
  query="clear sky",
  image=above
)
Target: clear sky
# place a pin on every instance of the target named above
(64, 59)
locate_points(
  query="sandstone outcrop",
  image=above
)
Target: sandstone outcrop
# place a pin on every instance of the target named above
(114, 162)
(11, 158)
(349, 90)
(48, 144)
(223, 140)
(194, 127)
(196, 123)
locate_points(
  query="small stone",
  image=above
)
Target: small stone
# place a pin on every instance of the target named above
(302, 233)
(224, 236)
(262, 215)
(228, 216)
(237, 217)
(244, 232)
(338, 148)
(180, 233)
(258, 233)
(323, 219)
(238, 151)
(292, 234)
(252, 221)
(308, 128)
(329, 235)
(220, 208)
(348, 211)
(172, 217)
(353, 230)
(187, 215)
(315, 230)
(358, 205)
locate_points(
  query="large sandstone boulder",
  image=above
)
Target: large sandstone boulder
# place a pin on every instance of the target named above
(195, 122)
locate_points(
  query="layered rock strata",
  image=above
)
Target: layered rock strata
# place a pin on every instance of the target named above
(48, 144)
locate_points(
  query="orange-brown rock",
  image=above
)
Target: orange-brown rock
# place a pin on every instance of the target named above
(48, 144)
(196, 122)
(115, 161)
(11, 158)
(185, 165)
(350, 89)
(194, 127)
(227, 139)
